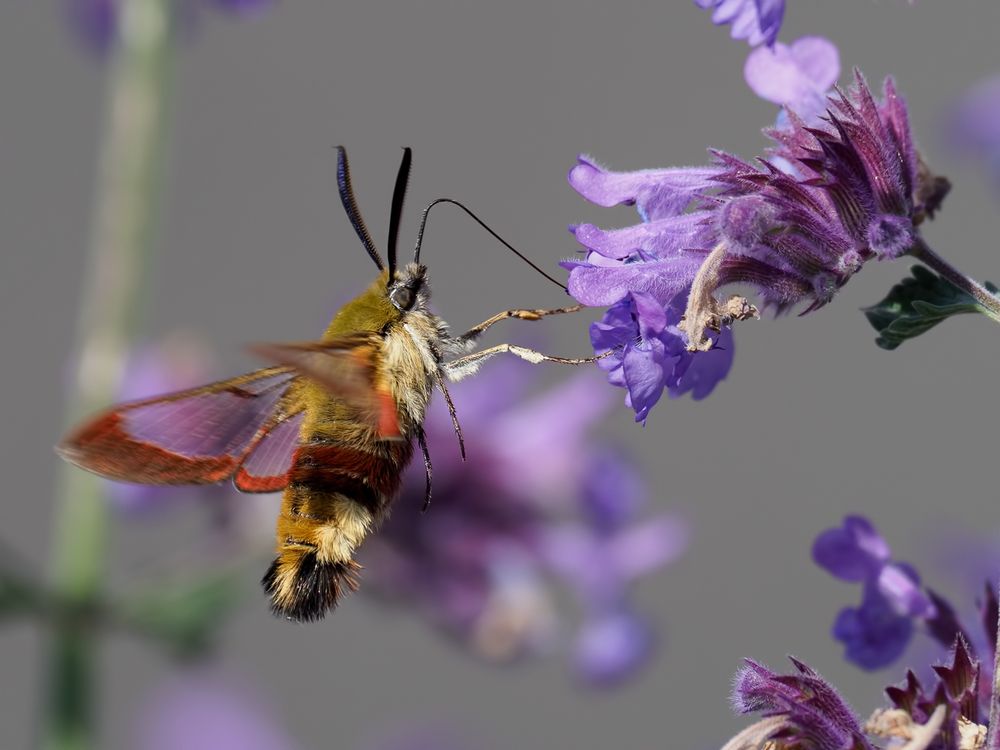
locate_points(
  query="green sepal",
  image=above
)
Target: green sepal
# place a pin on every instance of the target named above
(917, 304)
(186, 618)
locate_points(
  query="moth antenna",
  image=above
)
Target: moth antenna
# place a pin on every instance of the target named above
(351, 206)
(518, 253)
(396, 212)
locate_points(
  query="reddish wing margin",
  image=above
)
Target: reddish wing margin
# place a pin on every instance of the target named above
(243, 427)
(196, 436)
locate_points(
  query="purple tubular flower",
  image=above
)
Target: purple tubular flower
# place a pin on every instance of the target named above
(795, 227)
(649, 353)
(756, 21)
(797, 76)
(536, 503)
(877, 632)
(813, 713)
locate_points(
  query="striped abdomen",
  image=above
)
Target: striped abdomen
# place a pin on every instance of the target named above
(336, 495)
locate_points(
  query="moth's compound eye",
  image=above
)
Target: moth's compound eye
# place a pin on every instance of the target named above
(402, 297)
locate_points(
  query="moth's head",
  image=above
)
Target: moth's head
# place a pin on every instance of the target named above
(408, 289)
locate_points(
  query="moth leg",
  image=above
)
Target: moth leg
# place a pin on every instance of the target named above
(428, 469)
(469, 364)
(523, 314)
(439, 379)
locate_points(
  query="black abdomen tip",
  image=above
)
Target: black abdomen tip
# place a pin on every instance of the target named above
(304, 589)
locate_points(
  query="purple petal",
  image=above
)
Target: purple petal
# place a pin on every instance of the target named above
(796, 76)
(901, 589)
(649, 546)
(663, 280)
(873, 634)
(612, 646)
(645, 376)
(649, 314)
(658, 193)
(658, 238)
(854, 552)
(702, 371)
(756, 21)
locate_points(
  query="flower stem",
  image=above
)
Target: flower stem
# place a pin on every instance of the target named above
(986, 299)
(993, 735)
(126, 198)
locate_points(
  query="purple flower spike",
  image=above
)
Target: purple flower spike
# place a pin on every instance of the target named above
(794, 225)
(876, 633)
(756, 21)
(797, 75)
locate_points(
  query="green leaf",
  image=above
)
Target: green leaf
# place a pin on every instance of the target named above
(187, 617)
(917, 304)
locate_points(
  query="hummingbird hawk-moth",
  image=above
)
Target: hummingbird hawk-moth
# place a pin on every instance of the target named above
(331, 425)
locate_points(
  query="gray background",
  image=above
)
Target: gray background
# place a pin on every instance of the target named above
(496, 99)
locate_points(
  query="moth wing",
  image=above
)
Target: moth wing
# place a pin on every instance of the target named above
(266, 466)
(347, 368)
(197, 436)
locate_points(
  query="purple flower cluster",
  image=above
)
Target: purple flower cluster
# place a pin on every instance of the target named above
(893, 605)
(536, 503)
(97, 21)
(877, 632)
(795, 227)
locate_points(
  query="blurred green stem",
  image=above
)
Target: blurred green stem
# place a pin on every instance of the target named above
(123, 221)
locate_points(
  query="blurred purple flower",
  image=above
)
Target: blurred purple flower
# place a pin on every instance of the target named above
(601, 556)
(536, 503)
(203, 710)
(876, 633)
(973, 126)
(797, 76)
(756, 21)
(822, 202)
(96, 21)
